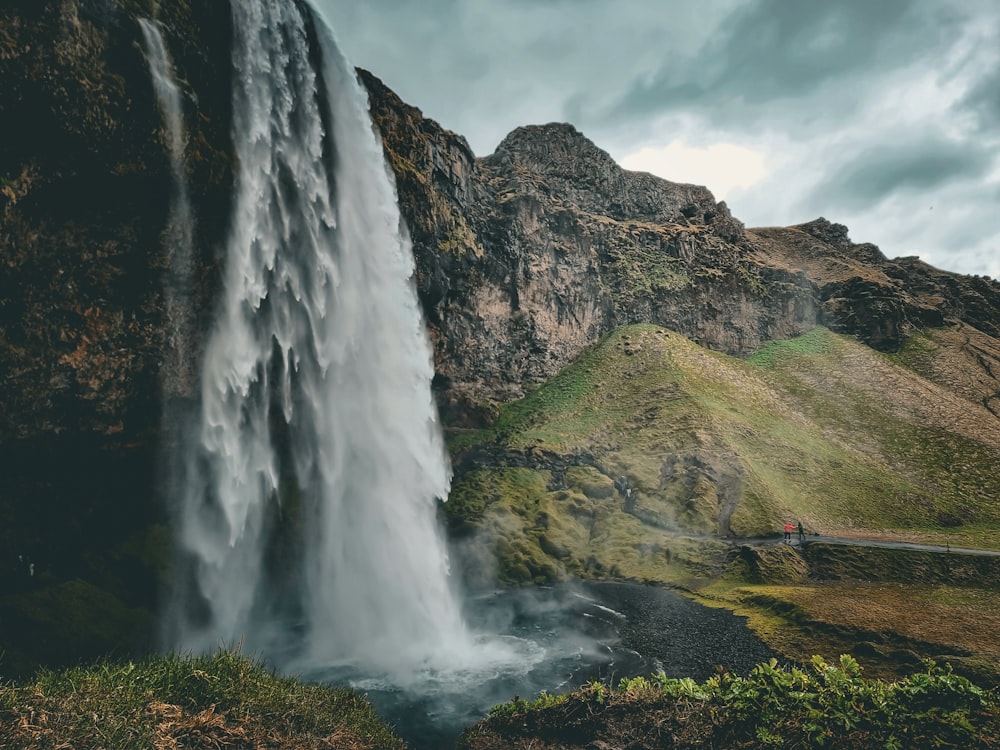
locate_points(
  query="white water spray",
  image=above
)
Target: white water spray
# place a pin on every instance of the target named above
(308, 506)
(179, 232)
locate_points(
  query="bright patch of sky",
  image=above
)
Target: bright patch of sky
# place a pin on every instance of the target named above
(720, 167)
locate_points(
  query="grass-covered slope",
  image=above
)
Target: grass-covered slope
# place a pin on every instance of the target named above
(648, 438)
(196, 703)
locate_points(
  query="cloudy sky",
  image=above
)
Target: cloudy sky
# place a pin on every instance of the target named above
(883, 115)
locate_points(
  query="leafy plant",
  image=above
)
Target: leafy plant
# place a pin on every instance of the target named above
(826, 705)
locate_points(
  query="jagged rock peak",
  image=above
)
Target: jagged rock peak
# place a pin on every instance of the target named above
(836, 236)
(826, 231)
(557, 147)
(574, 169)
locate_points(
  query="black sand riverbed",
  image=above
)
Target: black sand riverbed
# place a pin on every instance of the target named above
(588, 631)
(686, 638)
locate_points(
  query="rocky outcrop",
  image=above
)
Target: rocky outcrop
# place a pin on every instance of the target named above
(528, 256)
(862, 293)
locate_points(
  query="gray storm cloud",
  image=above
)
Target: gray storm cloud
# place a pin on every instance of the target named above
(858, 107)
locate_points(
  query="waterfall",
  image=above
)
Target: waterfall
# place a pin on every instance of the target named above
(179, 231)
(307, 506)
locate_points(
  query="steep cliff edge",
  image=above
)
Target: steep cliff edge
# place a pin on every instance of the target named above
(85, 188)
(84, 198)
(533, 253)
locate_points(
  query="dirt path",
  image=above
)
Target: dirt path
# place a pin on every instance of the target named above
(861, 542)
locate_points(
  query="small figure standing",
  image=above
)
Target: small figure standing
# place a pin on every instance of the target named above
(802, 533)
(788, 532)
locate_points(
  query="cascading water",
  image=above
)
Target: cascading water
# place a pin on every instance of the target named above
(306, 486)
(179, 232)
(307, 508)
(307, 483)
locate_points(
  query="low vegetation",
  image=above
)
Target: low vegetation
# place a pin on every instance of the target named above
(819, 428)
(823, 706)
(225, 700)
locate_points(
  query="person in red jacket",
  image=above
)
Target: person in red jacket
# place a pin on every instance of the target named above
(788, 532)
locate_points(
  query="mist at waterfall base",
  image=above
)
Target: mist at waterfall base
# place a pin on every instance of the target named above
(554, 639)
(306, 483)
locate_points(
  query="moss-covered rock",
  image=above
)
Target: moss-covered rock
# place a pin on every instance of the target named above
(648, 439)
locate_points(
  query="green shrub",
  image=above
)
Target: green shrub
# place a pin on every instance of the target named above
(822, 706)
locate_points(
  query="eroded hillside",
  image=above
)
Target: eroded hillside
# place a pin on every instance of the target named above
(530, 255)
(649, 444)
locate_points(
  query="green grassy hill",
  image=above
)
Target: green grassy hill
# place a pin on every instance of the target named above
(819, 428)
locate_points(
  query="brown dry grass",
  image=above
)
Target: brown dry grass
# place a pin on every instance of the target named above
(173, 703)
(959, 620)
(889, 627)
(792, 249)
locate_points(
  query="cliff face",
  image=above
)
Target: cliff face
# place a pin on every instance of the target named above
(524, 259)
(85, 189)
(84, 198)
(530, 255)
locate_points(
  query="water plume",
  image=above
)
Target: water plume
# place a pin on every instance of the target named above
(307, 507)
(179, 232)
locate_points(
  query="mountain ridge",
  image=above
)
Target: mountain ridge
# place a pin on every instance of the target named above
(572, 235)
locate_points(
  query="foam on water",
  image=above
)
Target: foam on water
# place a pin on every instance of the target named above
(307, 507)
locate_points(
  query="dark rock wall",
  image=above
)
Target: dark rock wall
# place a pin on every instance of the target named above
(85, 188)
(84, 194)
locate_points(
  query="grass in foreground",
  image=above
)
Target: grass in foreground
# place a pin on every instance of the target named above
(826, 705)
(225, 700)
